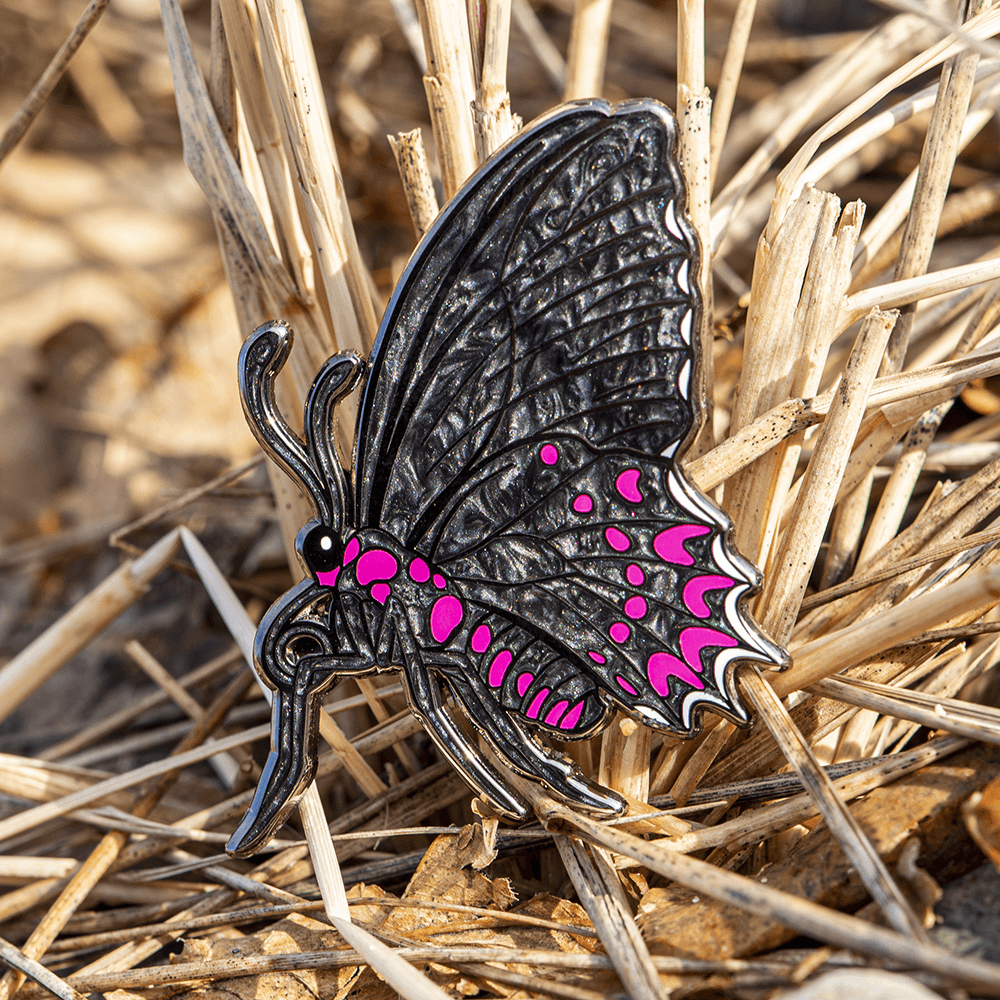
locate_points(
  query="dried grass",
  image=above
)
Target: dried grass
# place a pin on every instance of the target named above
(881, 571)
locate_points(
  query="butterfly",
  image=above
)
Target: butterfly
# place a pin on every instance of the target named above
(516, 535)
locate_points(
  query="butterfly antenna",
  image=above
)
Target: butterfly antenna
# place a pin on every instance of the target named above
(338, 376)
(264, 355)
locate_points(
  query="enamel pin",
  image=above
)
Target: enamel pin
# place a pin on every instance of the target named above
(516, 530)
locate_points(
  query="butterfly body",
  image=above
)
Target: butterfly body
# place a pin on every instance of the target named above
(516, 532)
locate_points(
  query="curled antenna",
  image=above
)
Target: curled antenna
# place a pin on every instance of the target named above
(338, 376)
(264, 355)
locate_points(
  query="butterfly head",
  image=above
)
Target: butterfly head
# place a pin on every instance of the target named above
(320, 551)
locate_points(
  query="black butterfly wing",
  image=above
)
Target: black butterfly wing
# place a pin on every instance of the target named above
(623, 567)
(552, 295)
(533, 377)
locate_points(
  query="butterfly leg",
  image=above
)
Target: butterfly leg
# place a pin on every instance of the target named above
(525, 753)
(424, 694)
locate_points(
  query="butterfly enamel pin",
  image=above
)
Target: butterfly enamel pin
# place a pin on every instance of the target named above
(516, 531)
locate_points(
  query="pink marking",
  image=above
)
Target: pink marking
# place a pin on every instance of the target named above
(419, 571)
(498, 670)
(376, 564)
(549, 454)
(445, 617)
(596, 657)
(351, 551)
(694, 640)
(381, 592)
(536, 704)
(625, 686)
(439, 581)
(627, 485)
(618, 540)
(635, 575)
(695, 590)
(524, 682)
(328, 579)
(635, 607)
(662, 666)
(583, 504)
(620, 632)
(669, 544)
(481, 639)
(572, 717)
(557, 712)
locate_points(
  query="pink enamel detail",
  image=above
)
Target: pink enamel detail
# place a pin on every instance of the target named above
(635, 607)
(572, 717)
(549, 454)
(625, 686)
(635, 575)
(381, 592)
(498, 670)
(376, 564)
(445, 617)
(557, 712)
(620, 632)
(627, 485)
(328, 579)
(696, 588)
(662, 666)
(351, 551)
(694, 640)
(669, 544)
(419, 571)
(536, 704)
(524, 682)
(583, 504)
(439, 581)
(481, 639)
(596, 657)
(618, 540)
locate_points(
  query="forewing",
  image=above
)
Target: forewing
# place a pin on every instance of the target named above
(550, 297)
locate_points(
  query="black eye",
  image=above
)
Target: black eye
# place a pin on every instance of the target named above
(321, 549)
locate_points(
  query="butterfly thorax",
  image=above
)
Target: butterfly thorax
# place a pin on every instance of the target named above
(385, 578)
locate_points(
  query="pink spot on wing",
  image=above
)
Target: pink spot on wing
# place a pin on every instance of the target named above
(662, 666)
(351, 550)
(620, 632)
(583, 504)
(618, 540)
(376, 564)
(635, 607)
(381, 592)
(596, 657)
(669, 544)
(481, 639)
(419, 571)
(696, 588)
(627, 485)
(524, 682)
(439, 581)
(556, 713)
(445, 617)
(635, 575)
(572, 717)
(536, 704)
(498, 670)
(329, 579)
(549, 454)
(695, 639)
(625, 686)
